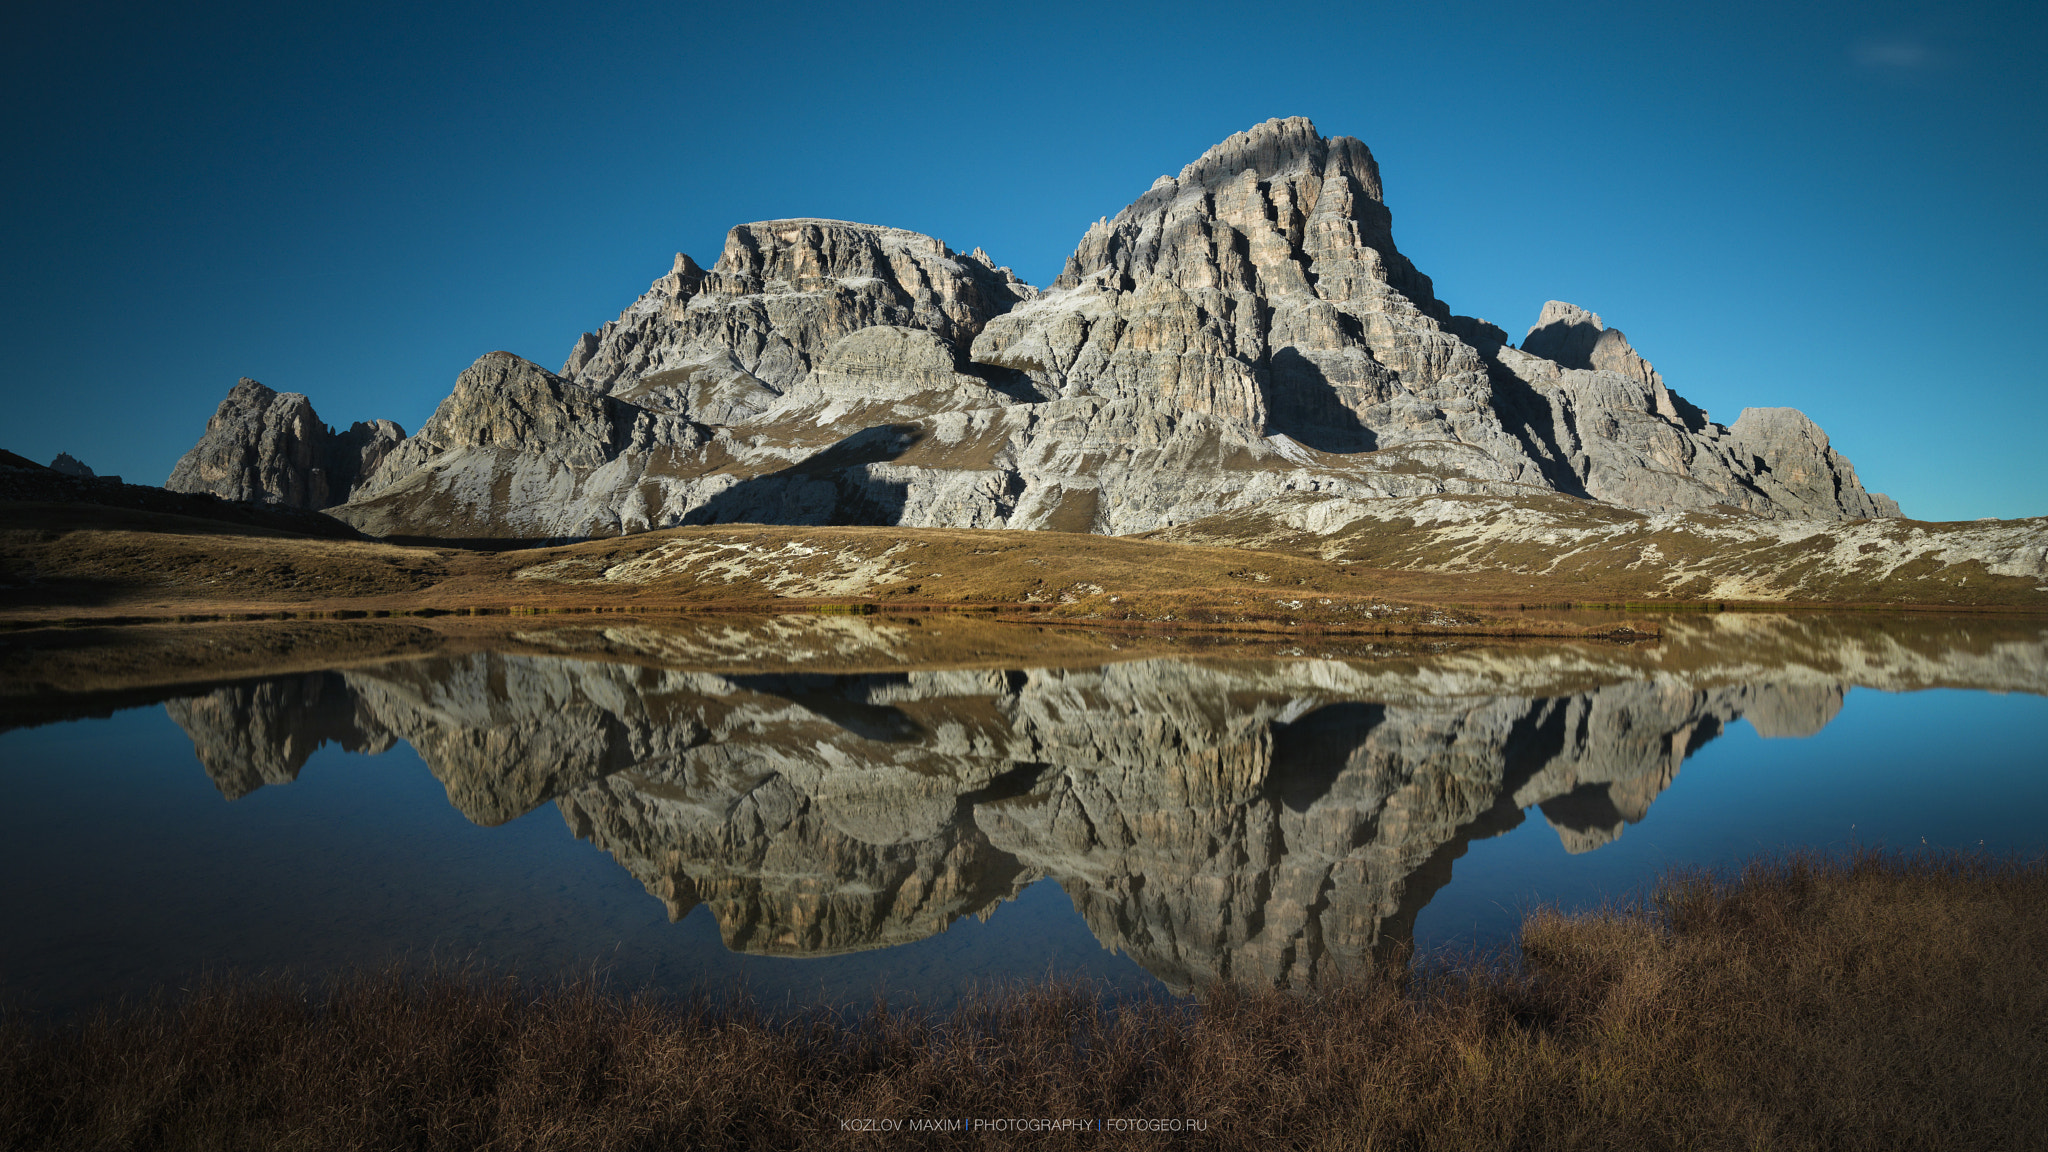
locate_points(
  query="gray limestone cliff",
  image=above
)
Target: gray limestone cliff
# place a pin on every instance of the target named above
(271, 447)
(516, 450)
(1793, 464)
(1602, 419)
(722, 346)
(1242, 332)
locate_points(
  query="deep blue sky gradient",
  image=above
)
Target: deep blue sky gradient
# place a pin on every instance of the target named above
(1835, 207)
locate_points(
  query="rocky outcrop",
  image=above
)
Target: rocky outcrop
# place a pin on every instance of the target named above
(1244, 332)
(1605, 425)
(271, 447)
(1261, 287)
(68, 465)
(816, 338)
(726, 343)
(516, 450)
(1792, 462)
(1571, 337)
(1278, 822)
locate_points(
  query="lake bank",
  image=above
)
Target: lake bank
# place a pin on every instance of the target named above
(1869, 1000)
(92, 564)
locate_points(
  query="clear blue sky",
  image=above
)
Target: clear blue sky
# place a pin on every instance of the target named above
(1834, 207)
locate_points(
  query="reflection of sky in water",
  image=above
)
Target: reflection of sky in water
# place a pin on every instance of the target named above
(1954, 767)
(123, 866)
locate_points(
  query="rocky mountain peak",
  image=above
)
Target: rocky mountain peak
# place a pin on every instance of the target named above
(268, 446)
(1571, 337)
(70, 466)
(1261, 288)
(681, 283)
(510, 404)
(723, 345)
(791, 250)
(509, 447)
(1797, 465)
(1568, 335)
(945, 294)
(1282, 147)
(1277, 170)
(1563, 312)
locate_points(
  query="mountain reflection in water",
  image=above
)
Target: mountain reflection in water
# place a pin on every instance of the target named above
(1273, 822)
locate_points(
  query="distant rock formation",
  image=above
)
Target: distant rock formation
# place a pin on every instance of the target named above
(271, 447)
(1244, 331)
(1277, 822)
(1601, 419)
(1794, 464)
(70, 466)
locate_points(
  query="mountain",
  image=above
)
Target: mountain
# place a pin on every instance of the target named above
(1242, 332)
(268, 446)
(71, 466)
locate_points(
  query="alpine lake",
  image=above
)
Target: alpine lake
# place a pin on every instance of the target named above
(838, 808)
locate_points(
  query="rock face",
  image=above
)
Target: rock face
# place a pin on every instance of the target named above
(755, 327)
(271, 447)
(1262, 287)
(1795, 465)
(516, 450)
(781, 385)
(1276, 822)
(1244, 331)
(70, 466)
(1605, 426)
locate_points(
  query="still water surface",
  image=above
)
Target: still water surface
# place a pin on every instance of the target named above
(1155, 824)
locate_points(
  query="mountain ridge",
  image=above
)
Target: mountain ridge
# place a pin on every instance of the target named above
(1243, 332)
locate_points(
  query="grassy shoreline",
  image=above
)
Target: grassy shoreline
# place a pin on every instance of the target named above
(72, 564)
(1873, 1001)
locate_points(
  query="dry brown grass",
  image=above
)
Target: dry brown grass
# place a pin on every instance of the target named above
(83, 562)
(96, 564)
(1881, 1002)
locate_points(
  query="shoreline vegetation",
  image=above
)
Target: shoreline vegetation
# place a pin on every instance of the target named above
(1870, 1000)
